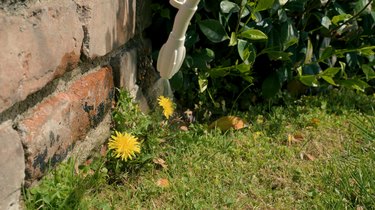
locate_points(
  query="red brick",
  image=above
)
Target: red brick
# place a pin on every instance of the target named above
(36, 47)
(109, 24)
(51, 129)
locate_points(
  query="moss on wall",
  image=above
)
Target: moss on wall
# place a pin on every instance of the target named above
(12, 5)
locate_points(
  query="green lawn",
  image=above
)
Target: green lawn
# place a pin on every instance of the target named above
(313, 153)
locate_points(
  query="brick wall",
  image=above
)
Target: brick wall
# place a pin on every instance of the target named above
(59, 63)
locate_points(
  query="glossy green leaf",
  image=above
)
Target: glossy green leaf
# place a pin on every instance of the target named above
(243, 68)
(329, 80)
(309, 80)
(327, 53)
(330, 72)
(220, 71)
(192, 37)
(256, 16)
(253, 34)
(264, 5)
(213, 30)
(203, 83)
(309, 52)
(326, 22)
(229, 7)
(360, 5)
(356, 84)
(246, 50)
(343, 72)
(202, 58)
(338, 18)
(368, 71)
(245, 12)
(367, 51)
(288, 35)
(283, 16)
(233, 39)
(282, 2)
(279, 55)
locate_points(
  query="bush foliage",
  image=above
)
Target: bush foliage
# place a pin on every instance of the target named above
(240, 51)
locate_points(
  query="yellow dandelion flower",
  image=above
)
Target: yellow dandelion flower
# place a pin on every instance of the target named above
(124, 145)
(167, 105)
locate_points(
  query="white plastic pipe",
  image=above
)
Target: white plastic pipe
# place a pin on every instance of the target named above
(172, 53)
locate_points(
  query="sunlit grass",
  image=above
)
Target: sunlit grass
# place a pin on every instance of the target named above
(305, 155)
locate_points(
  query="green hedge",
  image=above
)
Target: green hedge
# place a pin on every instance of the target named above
(241, 51)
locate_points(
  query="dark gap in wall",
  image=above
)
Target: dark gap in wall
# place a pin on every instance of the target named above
(85, 44)
(88, 64)
(147, 74)
(31, 100)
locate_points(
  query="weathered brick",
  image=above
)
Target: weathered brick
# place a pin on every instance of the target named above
(51, 129)
(125, 75)
(37, 47)
(108, 24)
(125, 71)
(12, 166)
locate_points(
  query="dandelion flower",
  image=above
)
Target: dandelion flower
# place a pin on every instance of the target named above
(167, 105)
(124, 146)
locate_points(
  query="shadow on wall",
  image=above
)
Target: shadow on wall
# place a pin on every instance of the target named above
(124, 25)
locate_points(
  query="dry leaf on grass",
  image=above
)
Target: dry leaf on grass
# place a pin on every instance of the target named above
(162, 141)
(184, 128)
(295, 138)
(160, 162)
(227, 122)
(310, 157)
(162, 183)
(306, 156)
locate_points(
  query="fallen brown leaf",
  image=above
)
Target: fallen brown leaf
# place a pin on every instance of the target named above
(184, 128)
(162, 141)
(298, 137)
(294, 139)
(160, 162)
(306, 156)
(227, 122)
(310, 157)
(162, 183)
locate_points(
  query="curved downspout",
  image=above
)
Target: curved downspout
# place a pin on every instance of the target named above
(172, 53)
